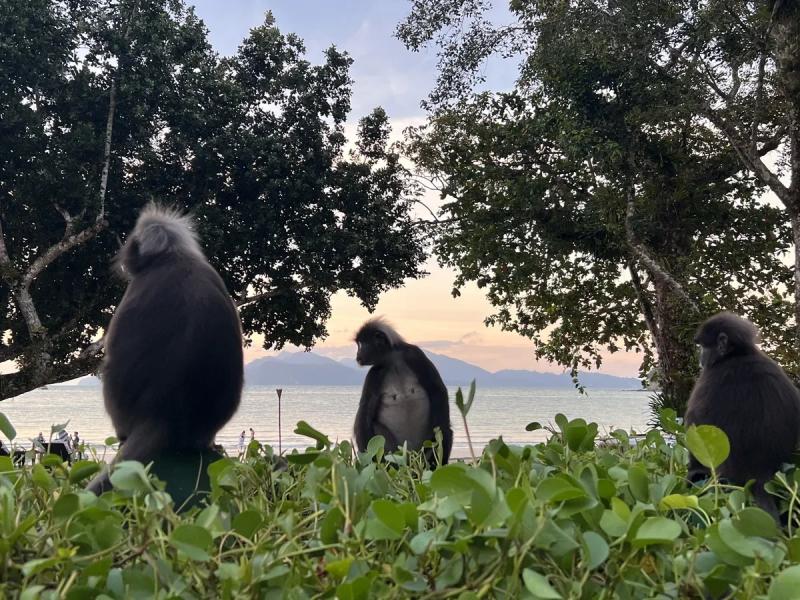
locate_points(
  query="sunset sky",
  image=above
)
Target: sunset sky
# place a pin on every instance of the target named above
(386, 74)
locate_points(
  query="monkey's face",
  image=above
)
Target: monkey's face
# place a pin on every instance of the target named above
(714, 350)
(372, 347)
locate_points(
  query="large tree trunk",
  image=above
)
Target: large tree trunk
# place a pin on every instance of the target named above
(676, 349)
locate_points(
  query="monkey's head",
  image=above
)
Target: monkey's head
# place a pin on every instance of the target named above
(159, 231)
(723, 335)
(375, 340)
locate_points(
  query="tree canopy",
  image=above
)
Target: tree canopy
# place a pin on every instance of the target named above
(105, 106)
(595, 201)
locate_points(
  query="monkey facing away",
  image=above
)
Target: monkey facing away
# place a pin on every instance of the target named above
(403, 398)
(747, 395)
(173, 367)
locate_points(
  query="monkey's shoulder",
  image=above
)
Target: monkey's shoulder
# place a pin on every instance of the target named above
(755, 370)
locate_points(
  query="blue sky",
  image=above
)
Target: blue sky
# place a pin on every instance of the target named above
(386, 74)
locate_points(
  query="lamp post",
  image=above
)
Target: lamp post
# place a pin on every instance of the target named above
(279, 391)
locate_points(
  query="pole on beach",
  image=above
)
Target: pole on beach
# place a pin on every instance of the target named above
(279, 391)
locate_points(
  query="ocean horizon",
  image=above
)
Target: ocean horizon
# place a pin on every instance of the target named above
(496, 412)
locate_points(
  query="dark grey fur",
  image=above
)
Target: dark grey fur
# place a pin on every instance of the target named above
(403, 398)
(747, 395)
(173, 367)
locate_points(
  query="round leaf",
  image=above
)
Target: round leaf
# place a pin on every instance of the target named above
(708, 444)
(657, 530)
(538, 585)
(786, 585)
(595, 550)
(192, 540)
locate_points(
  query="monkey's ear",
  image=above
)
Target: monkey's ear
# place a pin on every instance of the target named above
(722, 344)
(153, 241)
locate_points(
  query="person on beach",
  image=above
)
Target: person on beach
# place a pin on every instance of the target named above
(76, 446)
(241, 444)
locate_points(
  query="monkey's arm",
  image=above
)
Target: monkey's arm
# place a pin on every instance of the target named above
(434, 387)
(390, 443)
(367, 415)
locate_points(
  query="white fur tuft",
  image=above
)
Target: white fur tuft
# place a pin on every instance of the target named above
(381, 324)
(159, 231)
(180, 226)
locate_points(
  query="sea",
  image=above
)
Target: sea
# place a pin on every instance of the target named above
(331, 409)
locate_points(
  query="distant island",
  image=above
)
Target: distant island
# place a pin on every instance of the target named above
(308, 368)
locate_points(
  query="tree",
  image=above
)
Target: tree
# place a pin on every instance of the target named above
(105, 106)
(592, 201)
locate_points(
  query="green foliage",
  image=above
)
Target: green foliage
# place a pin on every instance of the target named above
(573, 517)
(536, 176)
(253, 144)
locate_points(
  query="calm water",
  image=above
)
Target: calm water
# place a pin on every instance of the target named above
(495, 412)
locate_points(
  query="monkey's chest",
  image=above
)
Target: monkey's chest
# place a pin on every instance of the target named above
(404, 407)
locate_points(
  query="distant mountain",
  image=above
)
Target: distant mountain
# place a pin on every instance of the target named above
(299, 368)
(307, 368)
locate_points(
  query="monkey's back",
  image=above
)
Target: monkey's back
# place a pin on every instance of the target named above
(756, 404)
(174, 354)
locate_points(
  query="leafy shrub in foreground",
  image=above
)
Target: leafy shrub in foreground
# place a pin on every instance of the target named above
(569, 518)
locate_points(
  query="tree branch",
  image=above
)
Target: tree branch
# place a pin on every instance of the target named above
(252, 299)
(643, 255)
(112, 107)
(7, 271)
(644, 301)
(66, 244)
(751, 159)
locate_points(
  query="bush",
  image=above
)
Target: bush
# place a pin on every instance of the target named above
(575, 517)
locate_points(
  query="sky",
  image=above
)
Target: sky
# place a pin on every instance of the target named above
(386, 74)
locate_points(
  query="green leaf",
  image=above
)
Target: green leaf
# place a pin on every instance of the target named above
(41, 477)
(460, 400)
(721, 549)
(656, 530)
(595, 550)
(331, 525)
(376, 446)
(421, 542)
(679, 501)
(247, 522)
(389, 514)
(575, 432)
(192, 540)
(111, 440)
(612, 524)
(37, 565)
(538, 585)
(307, 430)
(639, 483)
(786, 585)
(535, 425)
(338, 568)
(83, 469)
(708, 444)
(66, 506)
(303, 458)
(753, 521)
(559, 489)
(130, 476)
(470, 399)
(6, 428)
(32, 592)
